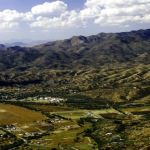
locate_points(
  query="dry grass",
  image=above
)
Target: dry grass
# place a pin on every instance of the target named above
(10, 114)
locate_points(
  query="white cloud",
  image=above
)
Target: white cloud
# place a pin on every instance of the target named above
(46, 15)
(10, 19)
(100, 13)
(65, 20)
(10, 15)
(28, 16)
(49, 8)
(8, 25)
(114, 3)
(116, 12)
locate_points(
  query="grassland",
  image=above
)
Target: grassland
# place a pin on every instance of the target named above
(10, 114)
(77, 114)
(51, 126)
(137, 109)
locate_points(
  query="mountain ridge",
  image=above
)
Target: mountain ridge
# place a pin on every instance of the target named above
(80, 52)
(112, 67)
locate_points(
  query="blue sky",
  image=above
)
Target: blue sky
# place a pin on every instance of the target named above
(31, 20)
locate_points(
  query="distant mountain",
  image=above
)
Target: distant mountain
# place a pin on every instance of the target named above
(2, 46)
(21, 44)
(24, 44)
(81, 52)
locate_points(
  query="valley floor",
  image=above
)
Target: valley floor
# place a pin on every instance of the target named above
(50, 126)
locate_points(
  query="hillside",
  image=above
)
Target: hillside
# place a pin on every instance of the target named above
(80, 52)
(79, 93)
(109, 66)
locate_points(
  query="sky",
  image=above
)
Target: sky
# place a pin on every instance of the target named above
(31, 20)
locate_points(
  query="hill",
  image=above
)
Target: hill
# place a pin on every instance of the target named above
(81, 52)
(110, 66)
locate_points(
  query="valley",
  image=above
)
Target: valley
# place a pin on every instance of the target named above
(57, 126)
(82, 93)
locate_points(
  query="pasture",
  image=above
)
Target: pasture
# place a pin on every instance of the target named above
(77, 114)
(10, 114)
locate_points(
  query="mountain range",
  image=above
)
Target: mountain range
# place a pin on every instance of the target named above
(111, 66)
(80, 52)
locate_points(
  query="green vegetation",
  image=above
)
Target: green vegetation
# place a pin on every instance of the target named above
(123, 84)
(83, 93)
(110, 67)
(64, 128)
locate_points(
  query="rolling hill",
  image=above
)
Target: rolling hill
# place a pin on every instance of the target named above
(81, 52)
(110, 66)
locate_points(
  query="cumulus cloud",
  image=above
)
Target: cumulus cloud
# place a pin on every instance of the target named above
(95, 12)
(8, 25)
(65, 20)
(116, 12)
(50, 8)
(10, 19)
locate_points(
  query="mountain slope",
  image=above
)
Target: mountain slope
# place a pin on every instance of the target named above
(107, 66)
(81, 52)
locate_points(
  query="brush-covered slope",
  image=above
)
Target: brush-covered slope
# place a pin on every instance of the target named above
(81, 52)
(109, 66)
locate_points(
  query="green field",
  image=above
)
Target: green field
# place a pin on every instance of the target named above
(77, 114)
(61, 127)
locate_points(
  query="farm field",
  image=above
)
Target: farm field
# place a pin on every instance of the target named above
(10, 114)
(77, 114)
(137, 109)
(50, 126)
